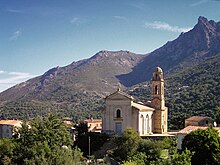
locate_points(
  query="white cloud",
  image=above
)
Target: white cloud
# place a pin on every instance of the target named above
(9, 79)
(120, 17)
(78, 21)
(199, 3)
(74, 20)
(15, 11)
(15, 35)
(165, 26)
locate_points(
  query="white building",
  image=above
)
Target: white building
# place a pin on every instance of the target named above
(122, 112)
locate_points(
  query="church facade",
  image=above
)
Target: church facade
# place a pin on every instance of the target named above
(122, 112)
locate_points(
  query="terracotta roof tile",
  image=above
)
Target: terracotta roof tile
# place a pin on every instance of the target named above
(10, 122)
(92, 121)
(189, 129)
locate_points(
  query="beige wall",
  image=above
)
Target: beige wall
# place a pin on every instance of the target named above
(109, 115)
(94, 126)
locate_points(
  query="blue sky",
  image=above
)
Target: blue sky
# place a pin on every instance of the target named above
(36, 35)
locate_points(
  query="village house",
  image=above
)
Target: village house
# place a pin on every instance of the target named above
(199, 121)
(192, 124)
(182, 133)
(7, 126)
(122, 111)
(94, 125)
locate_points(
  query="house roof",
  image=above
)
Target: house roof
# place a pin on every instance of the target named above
(197, 118)
(189, 129)
(121, 93)
(92, 121)
(10, 122)
(141, 107)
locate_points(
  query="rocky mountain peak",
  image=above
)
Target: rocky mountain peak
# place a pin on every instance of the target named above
(105, 53)
(202, 20)
(209, 26)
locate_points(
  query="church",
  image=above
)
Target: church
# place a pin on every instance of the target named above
(122, 112)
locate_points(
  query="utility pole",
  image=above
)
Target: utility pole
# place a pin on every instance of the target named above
(89, 150)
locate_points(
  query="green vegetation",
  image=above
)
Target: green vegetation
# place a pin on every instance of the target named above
(43, 141)
(79, 107)
(194, 91)
(205, 144)
(132, 150)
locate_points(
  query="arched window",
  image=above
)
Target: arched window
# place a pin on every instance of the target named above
(156, 90)
(118, 113)
(156, 77)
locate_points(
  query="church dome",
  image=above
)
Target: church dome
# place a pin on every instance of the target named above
(158, 69)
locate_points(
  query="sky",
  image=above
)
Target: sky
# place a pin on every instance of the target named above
(37, 35)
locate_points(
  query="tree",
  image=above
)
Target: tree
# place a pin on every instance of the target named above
(41, 141)
(217, 115)
(127, 145)
(206, 146)
(183, 158)
(152, 149)
(82, 138)
(6, 150)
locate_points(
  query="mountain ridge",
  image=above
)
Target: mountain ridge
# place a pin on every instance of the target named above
(82, 83)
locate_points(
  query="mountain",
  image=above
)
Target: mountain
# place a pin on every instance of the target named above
(94, 75)
(77, 89)
(189, 49)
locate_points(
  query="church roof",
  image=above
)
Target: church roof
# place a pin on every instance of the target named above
(121, 93)
(141, 107)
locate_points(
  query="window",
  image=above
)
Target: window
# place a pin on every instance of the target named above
(156, 90)
(118, 113)
(206, 122)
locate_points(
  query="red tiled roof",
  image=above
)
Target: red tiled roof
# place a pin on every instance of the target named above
(10, 122)
(189, 129)
(92, 121)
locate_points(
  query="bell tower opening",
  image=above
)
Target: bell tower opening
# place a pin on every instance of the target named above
(156, 90)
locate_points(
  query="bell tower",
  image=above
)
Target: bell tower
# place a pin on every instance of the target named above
(158, 101)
